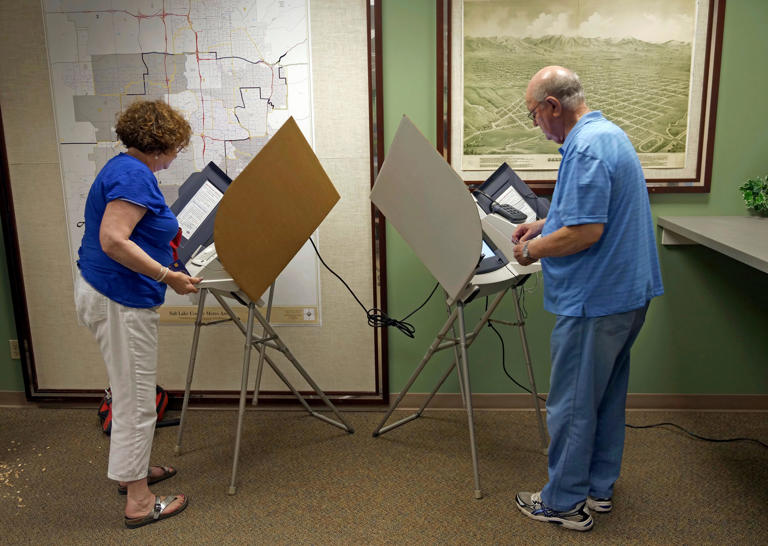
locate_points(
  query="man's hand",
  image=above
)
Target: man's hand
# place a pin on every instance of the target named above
(563, 242)
(523, 232)
(522, 260)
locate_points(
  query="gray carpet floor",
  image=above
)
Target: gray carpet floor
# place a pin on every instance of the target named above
(302, 481)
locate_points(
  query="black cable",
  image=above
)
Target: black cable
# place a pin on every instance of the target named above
(689, 433)
(376, 317)
(505, 211)
(697, 436)
(538, 208)
(521, 303)
(503, 362)
(423, 304)
(481, 192)
(503, 355)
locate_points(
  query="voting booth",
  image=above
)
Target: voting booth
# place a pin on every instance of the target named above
(464, 245)
(260, 221)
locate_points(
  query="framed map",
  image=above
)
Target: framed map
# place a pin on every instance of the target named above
(237, 69)
(650, 67)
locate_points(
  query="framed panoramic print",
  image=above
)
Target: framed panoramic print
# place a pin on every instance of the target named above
(651, 67)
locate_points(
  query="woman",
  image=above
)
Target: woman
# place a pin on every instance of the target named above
(123, 261)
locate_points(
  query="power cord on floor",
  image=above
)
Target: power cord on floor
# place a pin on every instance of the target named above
(376, 317)
(655, 425)
(697, 436)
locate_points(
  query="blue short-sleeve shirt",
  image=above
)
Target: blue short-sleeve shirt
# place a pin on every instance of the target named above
(125, 177)
(600, 181)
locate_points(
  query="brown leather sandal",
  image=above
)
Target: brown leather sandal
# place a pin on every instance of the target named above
(168, 472)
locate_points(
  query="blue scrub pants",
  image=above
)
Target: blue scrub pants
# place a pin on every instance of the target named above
(586, 405)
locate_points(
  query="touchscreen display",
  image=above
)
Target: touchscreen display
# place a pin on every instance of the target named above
(486, 252)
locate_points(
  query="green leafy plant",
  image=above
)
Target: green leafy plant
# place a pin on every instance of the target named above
(755, 192)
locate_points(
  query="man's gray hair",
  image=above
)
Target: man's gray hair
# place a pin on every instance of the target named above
(564, 85)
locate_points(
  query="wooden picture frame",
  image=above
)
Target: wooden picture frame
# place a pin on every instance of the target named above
(37, 248)
(666, 103)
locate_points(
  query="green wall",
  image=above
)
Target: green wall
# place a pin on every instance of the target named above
(11, 378)
(707, 334)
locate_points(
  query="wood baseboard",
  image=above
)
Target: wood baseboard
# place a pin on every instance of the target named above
(635, 401)
(14, 398)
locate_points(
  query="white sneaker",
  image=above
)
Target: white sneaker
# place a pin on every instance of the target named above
(599, 505)
(577, 518)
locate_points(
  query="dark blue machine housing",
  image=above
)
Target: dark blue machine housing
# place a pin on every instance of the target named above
(495, 186)
(500, 180)
(490, 261)
(203, 236)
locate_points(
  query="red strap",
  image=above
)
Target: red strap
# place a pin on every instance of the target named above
(175, 245)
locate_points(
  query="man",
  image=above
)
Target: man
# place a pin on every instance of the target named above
(601, 270)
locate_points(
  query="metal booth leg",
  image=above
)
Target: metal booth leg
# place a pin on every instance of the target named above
(464, 371)
(283, 348)
(448, 371)
(274, 342)
(243, 391)
(191, 367)
(263, 348)
(381, 429)
(269, 338)
(457, 359)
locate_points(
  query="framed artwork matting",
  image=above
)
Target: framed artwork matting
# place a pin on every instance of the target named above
(650, 67)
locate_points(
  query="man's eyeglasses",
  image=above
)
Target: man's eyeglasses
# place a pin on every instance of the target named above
(532, 113)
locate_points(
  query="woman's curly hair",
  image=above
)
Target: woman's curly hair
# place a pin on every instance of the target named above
(152, 127)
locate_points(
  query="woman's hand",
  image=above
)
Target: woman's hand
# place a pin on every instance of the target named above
(181, 283)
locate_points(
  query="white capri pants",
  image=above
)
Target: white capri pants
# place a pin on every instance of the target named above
(127, 338)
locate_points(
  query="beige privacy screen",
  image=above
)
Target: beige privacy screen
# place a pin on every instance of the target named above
(270, 210)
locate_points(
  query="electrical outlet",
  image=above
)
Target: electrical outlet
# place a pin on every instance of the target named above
(14, 343)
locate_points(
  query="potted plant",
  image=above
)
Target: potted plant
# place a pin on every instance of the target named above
(755, 193)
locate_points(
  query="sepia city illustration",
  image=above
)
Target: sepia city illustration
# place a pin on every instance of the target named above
(640, 84)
